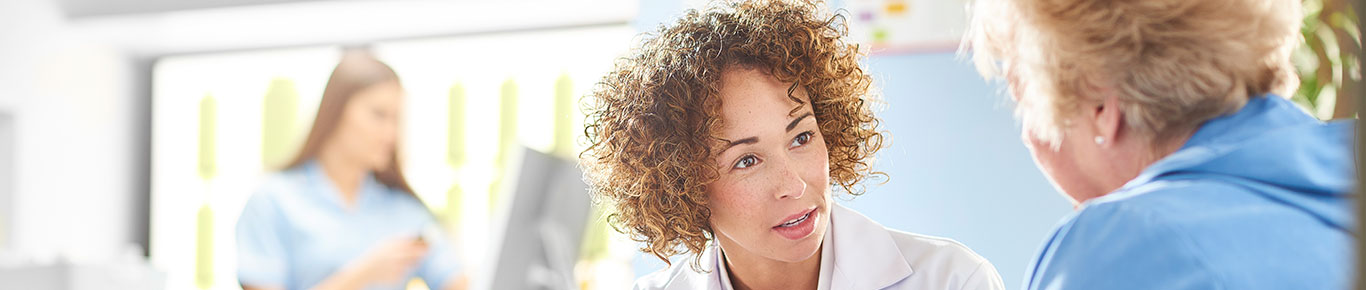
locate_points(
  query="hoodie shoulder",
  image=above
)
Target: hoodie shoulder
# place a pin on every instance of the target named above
(1194, 234)
(1120, 244)
(1270, 148)
(1259, 199)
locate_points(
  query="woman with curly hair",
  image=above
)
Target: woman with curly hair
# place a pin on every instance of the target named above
(722, 137)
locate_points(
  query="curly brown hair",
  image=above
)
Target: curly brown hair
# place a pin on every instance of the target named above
(653, 115)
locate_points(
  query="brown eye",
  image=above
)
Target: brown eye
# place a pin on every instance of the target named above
(802, 139)
(746, 162)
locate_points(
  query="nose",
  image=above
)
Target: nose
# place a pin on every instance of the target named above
(789, 184)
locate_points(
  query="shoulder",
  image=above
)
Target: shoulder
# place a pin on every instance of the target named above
(273, 202)
(947, 258)
(922, 250)
(919, 251)
(1167, 196)
(1153, 214)
(281, 184)
(281, 194)
(867, 252)
(679, 275)
(1164, 207)
(277, 188)
(1139, 239)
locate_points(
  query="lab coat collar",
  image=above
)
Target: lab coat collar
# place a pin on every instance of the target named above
(714, 277)
(858, 252)
(865, 256)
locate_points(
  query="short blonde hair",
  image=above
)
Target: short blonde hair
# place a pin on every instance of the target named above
(1173, 63)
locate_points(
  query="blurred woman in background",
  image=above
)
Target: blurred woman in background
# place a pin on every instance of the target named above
(1166, 122)
(341, 215)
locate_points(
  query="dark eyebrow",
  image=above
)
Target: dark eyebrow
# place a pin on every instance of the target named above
(798, 120)
(752, 140)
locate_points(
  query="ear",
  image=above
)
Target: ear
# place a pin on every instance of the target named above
(1107, 117)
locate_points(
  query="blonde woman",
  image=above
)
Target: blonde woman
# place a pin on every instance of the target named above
(1166, 122)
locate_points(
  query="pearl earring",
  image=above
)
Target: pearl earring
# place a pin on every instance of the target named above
(1100, 140)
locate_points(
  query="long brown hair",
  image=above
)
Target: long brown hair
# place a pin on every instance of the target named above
(357, 71)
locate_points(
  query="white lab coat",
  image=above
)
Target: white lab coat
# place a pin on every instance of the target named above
(858, 253)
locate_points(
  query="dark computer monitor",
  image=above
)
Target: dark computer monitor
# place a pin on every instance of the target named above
(543, 225)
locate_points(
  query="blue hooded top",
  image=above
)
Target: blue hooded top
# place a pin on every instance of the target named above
(1260, 199)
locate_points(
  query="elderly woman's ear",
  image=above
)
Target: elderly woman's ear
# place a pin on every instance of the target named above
(1108, 119)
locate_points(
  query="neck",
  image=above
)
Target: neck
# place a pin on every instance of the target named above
(1162, 149)
(748, 271)
(1143, 154)
(345, 176)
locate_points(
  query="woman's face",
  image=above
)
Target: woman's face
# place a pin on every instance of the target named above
(368, 129)
(771, 199)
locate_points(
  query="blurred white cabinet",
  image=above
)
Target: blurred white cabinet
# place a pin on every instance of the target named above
(65, 276)
(6, 178)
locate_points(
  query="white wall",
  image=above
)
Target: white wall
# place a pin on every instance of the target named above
(6, 175)
(72, 103)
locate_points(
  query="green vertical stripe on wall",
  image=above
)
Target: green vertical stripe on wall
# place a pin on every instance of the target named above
(208, 167)
(278, 116)
(507, 139)
(455, 152)
(507, 122)
(564, 114)
(203, 258)
(208, 119)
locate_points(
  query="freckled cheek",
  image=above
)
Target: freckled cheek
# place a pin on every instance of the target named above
(816, 175)
(732, 203)
(816, 168)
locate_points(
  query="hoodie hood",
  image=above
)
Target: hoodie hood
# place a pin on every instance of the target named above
(1273, 148)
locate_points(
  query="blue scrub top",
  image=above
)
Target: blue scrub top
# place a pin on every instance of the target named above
(1259, 199)
(295, 231)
